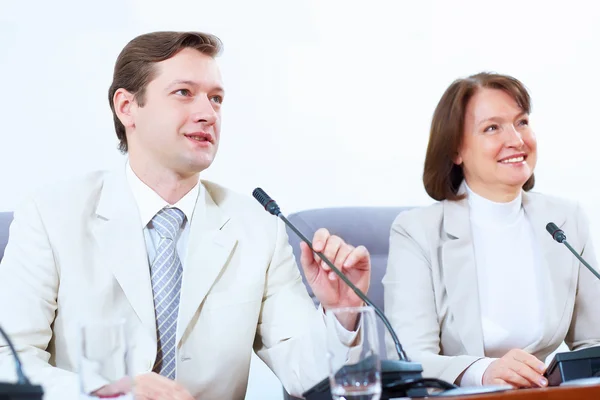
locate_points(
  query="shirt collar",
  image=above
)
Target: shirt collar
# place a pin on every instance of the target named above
(487, 212)
(149, 202)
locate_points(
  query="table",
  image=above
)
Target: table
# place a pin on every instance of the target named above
(553, 393)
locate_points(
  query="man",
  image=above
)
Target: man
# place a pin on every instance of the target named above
(97, 247)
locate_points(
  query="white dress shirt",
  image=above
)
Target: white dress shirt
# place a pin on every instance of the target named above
(149, 203)
(508, 263)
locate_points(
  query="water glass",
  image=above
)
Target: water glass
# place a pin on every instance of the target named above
(354, 362)
(104, 371)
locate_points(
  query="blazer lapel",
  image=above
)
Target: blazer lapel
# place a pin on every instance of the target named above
(119, 235)
(557, 264)
(210, 245)
(460, 275)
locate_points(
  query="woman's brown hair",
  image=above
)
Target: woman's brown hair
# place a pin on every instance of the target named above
(441, 176)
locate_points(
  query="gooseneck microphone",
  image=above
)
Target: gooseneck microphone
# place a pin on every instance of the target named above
(558, 235)
(399, 378)
(271, 206)
(579, 364)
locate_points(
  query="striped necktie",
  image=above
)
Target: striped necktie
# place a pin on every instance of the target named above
(165, 273)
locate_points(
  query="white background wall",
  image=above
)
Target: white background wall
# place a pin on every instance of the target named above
(328, 102)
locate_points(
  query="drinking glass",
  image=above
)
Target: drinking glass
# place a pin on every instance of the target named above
(103, 362)
(354, 363)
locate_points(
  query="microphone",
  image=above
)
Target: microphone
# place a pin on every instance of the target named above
(400, 378)
(23, 389)
(558, 235)
(574, 365)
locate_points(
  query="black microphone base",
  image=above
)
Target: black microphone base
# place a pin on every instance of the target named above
(12, 391)
(572, 365)
(396, 378)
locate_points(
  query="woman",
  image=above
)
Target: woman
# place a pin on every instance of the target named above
(476, 289)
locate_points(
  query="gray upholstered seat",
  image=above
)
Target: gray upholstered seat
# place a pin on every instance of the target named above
(5, 220)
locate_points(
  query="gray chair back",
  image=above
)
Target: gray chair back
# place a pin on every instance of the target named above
(367, 226)
(5, 220)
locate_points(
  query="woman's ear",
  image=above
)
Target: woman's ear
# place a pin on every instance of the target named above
(457, 159)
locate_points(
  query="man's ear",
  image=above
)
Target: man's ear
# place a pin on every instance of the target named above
(124, 103)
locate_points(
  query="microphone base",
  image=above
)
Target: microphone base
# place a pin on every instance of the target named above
(573, 365)
(396, 381)
(13, 391)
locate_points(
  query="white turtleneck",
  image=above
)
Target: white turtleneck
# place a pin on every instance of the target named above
(508, 275)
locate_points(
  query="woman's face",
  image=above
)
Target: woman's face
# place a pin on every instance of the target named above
(498, 153)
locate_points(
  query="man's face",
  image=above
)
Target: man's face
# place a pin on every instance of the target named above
(178, 126)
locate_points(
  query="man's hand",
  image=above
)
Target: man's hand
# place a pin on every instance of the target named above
(151, 386)
(331, 291)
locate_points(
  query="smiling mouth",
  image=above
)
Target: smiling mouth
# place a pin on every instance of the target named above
(199, 138)
(513, 160)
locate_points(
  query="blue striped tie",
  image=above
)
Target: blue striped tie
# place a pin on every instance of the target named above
(165, 273)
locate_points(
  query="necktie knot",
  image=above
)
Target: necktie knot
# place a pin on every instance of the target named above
(167, 222)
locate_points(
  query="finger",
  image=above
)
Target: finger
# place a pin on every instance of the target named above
(515, 379)
(498, 381)
(358, 255)
(332, 276)
(320, 239)
(331, 249)
(528, 373)
(307, 258)
(316, 258)
(528, 359)
(342, 255)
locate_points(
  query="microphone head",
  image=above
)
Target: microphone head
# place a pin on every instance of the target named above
(266, 201)
(556, 233)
